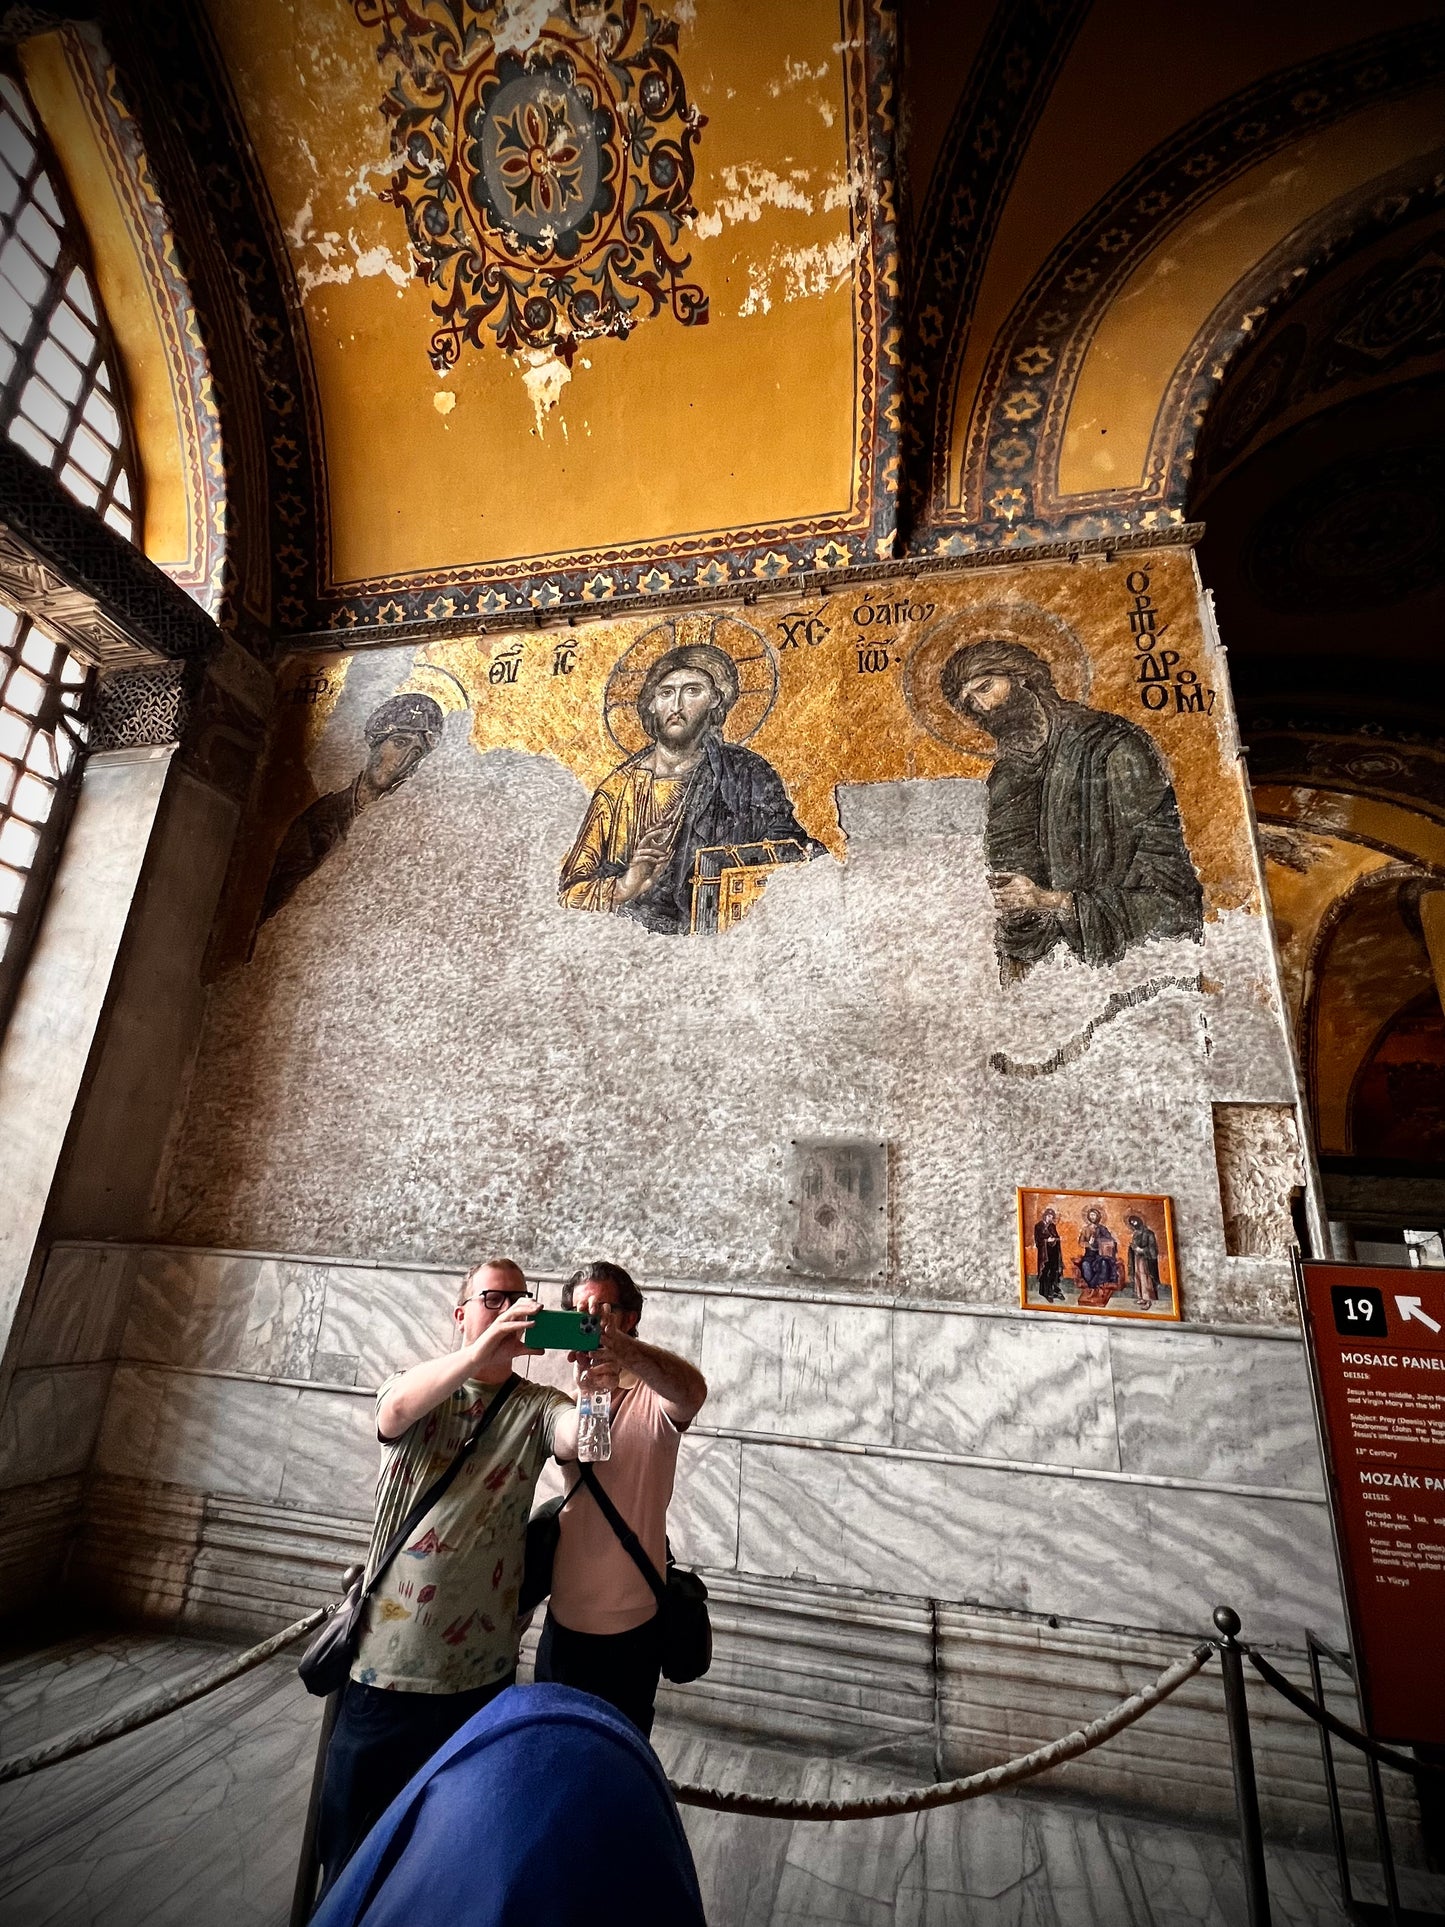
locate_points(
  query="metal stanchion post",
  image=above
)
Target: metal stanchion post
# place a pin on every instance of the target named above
(303, 1899)
(1246, 1792)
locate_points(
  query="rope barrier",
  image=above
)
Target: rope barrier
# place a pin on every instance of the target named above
(68, 1746)
(1323, 1717)
(948, 1792)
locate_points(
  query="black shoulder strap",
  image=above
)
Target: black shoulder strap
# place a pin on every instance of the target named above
(631, 1544)
(439, 1486)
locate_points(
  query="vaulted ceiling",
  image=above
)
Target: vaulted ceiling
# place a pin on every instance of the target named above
(518, 308)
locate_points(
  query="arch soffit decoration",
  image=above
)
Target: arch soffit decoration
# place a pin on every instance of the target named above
(247, 309)
(1391, 878)
(1024, 49)
(193, 467)
(1005, 493)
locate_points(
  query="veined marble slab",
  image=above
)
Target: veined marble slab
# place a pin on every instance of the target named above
(208, 1434)
(332, 1455)
(1205, 1407)
(1006, 1389)
(817, 1370)
(191, 1308)
(1082, 1548)
(51, 1418)
(386, 1320)
(703, 1521)
(82, 1305)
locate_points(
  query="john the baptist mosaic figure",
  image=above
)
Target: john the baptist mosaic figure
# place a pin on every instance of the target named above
(1083, 839)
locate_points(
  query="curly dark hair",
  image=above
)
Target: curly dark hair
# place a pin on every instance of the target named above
(627, 1295)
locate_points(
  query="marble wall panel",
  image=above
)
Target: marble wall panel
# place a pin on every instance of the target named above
(209, 1434)
(1195, 1405)
(386, 1320)
(50, 1422)
(191, 1307)
(1273, 1560)
(1004, 1388)
(703, 1520)
(332, 1456)
(283, 1319)
(132, 1414)
(815, 1370)
(81, 1306)
(674, 1320)
(1087, 1548)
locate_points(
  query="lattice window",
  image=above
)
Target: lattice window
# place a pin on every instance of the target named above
(59, 385)
(41, 735)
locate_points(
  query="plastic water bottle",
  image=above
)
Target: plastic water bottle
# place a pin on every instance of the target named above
(594, 1426)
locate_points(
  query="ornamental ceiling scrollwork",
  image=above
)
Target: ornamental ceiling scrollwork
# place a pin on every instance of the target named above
(545, 189)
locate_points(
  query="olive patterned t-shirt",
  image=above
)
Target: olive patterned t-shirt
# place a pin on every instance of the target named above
(444, 1617)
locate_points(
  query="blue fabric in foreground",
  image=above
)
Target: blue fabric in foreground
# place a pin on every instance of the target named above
(547, 1809)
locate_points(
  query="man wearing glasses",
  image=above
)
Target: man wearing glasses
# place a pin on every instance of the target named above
(602, 1633)
(439, 1632)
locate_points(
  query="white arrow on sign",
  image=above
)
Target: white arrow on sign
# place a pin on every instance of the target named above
(1409, 1308)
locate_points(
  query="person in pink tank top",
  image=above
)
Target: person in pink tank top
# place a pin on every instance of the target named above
(602, 1633)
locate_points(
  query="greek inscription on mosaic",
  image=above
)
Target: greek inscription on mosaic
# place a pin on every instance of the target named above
(1163, 685)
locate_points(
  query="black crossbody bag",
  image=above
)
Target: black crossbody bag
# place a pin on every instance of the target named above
(325, 1666)
(681, 1597)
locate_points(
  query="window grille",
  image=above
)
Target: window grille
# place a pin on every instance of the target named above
(59, 385)
(41, 736)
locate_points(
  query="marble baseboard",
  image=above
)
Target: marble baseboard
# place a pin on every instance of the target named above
(161, 1555)
(888, 1679)
(36, 1525)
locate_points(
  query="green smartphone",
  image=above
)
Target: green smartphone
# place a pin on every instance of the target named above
(564, 1331)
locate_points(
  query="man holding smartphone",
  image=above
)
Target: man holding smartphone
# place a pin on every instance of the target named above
(438, 1636)
(602, 1632)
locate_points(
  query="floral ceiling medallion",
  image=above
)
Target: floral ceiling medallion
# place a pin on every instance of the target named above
(545, 187)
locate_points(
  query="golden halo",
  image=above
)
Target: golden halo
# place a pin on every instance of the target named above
(1047, 635)
(752, 658)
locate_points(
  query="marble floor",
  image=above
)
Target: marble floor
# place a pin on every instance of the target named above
(198, 1817)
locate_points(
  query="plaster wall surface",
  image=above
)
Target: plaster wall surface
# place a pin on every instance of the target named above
(428, 1056)
(116, 1147)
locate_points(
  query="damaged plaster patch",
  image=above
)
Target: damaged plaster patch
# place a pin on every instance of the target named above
(328, 264)
(801, 271)
(789, 273)
(797, 73)
(749, 191)
(544, 379)
(444, 401)
(519, 25)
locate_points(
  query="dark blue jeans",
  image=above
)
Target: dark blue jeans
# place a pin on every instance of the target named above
(621, 1668)
(379, 1741)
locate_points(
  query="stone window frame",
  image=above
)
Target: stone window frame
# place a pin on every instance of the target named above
(44, 696)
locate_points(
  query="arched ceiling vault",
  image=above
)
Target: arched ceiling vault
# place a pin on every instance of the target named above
(977, 296)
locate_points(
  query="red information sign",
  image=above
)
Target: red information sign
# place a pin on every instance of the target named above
(1377, 1346)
